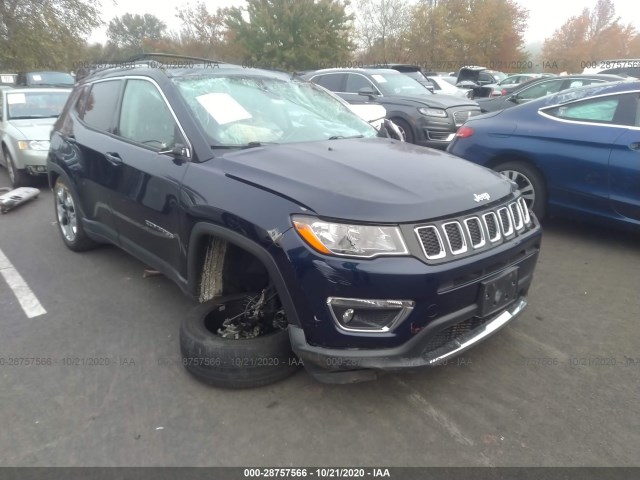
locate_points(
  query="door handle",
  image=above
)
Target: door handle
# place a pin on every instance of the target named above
(634, 146)
(113, 158)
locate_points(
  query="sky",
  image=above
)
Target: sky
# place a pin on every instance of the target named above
(545, 16)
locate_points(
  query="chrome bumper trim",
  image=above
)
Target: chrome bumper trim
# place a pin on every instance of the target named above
(466, 341)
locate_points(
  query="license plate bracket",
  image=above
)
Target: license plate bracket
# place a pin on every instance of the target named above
(498, 292)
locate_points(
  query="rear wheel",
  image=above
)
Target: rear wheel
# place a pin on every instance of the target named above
(530, 184)
(69, 218)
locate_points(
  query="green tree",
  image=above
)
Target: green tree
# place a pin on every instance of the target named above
(38, 34)
(206, 34)
(592, 36)
(293, 34)
(129, 32)
(446, 34)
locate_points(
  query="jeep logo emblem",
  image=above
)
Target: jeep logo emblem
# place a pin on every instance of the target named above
(481, 196)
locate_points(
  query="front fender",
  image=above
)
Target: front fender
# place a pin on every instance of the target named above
(204, 229)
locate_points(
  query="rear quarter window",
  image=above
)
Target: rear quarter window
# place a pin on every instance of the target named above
(600, 110)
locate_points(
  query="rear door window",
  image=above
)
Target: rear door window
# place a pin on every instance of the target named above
(100, 105)
(331, 81)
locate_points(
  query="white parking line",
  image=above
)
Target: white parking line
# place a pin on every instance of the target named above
(21, 290)
(416, 398)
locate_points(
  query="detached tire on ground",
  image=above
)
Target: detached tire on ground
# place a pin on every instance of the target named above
(232, 363)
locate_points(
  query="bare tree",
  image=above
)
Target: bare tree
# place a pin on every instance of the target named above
(381, 26)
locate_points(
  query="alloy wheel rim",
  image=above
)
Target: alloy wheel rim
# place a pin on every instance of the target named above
(67, 219)
(404, 134)
(524, 185)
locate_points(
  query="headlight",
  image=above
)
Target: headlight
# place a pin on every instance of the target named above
(33, 145)
(363, 241)
(433, 112)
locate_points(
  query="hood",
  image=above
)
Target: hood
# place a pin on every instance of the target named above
(369, 112)
(34, 129)
(433, 101)
(369, 180)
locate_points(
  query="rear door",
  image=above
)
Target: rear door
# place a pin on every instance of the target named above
(88, 141)
(146, 191)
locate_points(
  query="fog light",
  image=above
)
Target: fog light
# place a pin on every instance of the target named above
(33, 169)
(347, 315)
(363, 315)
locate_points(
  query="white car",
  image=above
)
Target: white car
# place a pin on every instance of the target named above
(27, 116)
(371, 112)
(440, 85)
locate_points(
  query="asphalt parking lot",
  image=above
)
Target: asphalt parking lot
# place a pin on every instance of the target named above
(558, 387)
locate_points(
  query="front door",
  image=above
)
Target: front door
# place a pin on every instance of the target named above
(146, 194)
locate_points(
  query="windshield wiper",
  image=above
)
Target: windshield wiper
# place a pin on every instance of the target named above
(225, 146)
(245, 145)
(258, 144)
(341, 137)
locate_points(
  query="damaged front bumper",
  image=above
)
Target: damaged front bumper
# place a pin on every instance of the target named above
(351, 365)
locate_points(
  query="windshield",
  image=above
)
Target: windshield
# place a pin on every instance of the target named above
(499, 76)
(416, 76)
(242, 110)
(399, 84)
(50, 78)
(35, 104)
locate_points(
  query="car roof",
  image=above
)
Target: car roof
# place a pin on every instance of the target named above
(572, 94)
(155, 71)
(368, 71)
(39, 89)
(578, 76)
(36, 72)
(155, 65)
(399, 67)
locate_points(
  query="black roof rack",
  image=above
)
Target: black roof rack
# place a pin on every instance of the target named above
(151, 55)
(102, 66)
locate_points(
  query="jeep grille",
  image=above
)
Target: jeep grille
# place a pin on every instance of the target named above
(466, 235)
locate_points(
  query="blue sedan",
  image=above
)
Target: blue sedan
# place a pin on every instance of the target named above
(575, 153)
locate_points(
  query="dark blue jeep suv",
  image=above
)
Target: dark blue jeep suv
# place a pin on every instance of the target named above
(307, 236)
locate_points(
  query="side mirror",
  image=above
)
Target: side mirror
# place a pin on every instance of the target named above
(367, 92)
(513, 98)
(178, 151)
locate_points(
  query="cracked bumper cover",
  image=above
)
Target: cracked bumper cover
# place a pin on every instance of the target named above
(351, 365)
